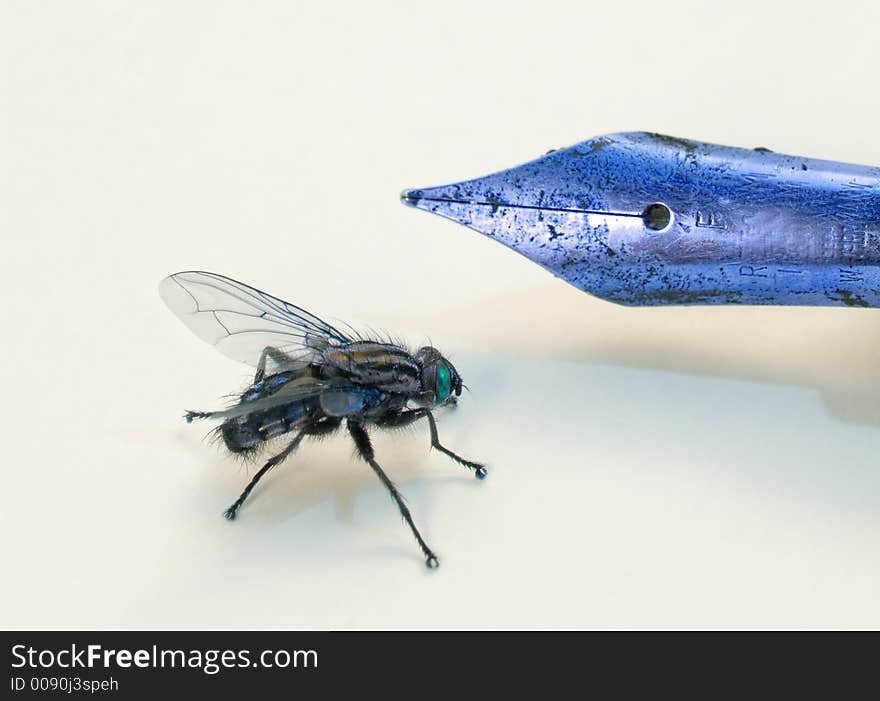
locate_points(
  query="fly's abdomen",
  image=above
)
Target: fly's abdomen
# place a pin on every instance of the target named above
(242, 434)
(246, 432)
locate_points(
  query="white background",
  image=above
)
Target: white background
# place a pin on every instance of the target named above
(680, 467)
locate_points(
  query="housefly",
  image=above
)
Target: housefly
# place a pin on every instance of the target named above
(310, 377)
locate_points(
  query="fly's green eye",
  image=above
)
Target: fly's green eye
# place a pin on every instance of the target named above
(444, 383)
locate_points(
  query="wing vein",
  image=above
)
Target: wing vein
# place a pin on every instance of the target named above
(215, 307)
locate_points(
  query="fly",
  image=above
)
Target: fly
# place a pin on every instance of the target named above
(310, 377)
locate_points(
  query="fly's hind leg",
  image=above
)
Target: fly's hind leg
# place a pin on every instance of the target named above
(232, 511)
(190, 415)
(273, 354)
(405, 418)
(269, 353)
(365, 450)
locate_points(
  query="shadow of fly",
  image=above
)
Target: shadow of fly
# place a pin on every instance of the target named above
(310, 378)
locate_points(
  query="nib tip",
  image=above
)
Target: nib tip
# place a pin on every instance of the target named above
(411, 197)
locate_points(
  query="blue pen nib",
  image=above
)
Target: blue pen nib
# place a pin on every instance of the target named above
(646, 219)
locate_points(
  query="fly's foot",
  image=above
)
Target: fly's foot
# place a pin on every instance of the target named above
(431, 562)
(190, 415)
(230, 513)
(478, 467)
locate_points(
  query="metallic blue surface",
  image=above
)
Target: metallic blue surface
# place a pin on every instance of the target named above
(746, 226)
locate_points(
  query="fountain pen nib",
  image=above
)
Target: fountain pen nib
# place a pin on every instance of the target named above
(645, 219)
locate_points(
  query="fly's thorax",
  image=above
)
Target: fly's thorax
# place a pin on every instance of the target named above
(383, 366)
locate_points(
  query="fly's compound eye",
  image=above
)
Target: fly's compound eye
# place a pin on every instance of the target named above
(443, 384)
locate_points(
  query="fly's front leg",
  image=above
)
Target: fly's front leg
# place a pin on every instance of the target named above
(405, 418)
(365, 450)
(271, 353)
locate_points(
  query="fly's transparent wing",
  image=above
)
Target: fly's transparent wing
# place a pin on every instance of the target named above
(241, 321)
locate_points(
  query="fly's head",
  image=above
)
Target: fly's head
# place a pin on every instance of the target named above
(441, 383)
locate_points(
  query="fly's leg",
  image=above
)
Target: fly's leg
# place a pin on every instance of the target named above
(268, 353)
(324, 426)
(232, 511)
(365, 450)
(405, 418)
(190, 415)
(273, 354)
(478, 468)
